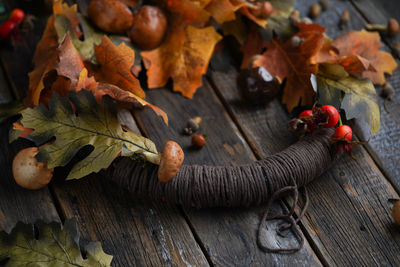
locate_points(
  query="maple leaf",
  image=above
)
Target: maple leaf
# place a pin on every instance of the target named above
(294, 64)
(49, 243)
(114, 66)
(358, 52)
(222, 10)
(254, 45)
(95, 124)
(185, 53)
(70, 13)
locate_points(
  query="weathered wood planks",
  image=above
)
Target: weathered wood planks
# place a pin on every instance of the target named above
(228, 235)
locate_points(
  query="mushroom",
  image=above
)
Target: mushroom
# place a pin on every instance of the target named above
(28, 172)
(111, 16)
(171, 161)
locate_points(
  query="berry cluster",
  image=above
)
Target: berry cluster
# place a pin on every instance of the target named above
(325, 117)
(17, 16)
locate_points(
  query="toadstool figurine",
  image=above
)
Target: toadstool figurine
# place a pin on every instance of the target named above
(28, 172)
(171, 161)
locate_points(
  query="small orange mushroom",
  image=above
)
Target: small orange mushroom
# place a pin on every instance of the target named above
(28, 172)
(171, 161)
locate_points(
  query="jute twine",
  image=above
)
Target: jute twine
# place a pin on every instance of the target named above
(263, 181)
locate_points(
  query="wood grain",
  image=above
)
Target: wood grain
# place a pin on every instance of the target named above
(227, 235)
(384, 147)
(333, 221)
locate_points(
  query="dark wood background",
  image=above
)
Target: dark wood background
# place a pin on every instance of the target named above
(347, 223)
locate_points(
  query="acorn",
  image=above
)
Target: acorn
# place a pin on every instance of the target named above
(294, 17)
(315, 10)
(344, 19)
(257, 85)
(391, 28)
(148, 28)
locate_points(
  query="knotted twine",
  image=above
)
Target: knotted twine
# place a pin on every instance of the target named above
(262, 181)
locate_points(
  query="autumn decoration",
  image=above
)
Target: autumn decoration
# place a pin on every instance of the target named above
(87, 70)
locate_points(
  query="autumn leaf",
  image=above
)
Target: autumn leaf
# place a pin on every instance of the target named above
(95, 124)
(222, 10)
(41, 243)
(70, 13)
(359, 53)
(114, 66)
(254, 45)
(359, 100)
(294, 64)
(124, 99)
(184, 57)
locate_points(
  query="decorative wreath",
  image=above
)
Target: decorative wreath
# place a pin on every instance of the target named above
(84, 81)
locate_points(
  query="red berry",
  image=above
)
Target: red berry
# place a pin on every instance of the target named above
(343, 132)
(198, 141)
(332, 115)
(305, 114)
(17, 15)
(6, 29)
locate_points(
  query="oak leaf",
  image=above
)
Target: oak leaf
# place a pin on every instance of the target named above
(78, 121)
(48, 244)
(294, 64)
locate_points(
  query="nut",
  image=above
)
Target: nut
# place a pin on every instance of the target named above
(28, 172)
(314, 10)
(306, 20)
(344, 19)
(110, 15)
(198, 141)
(171, 161)
(396, 212)
(262, 10)
(325, 4)
(296, 41)
(148, 28)
(294, 17)
(392, 27)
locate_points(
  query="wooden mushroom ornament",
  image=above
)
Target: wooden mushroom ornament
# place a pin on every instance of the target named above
(171, 161)
(28, 172)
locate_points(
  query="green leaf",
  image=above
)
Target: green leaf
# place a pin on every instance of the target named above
(95, 125)
(49, 245)
(91, 36)
(359, 101)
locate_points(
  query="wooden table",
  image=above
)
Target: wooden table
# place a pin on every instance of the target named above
(348, 221)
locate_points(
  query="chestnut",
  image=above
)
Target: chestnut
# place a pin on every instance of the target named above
(257, 85)
(148, 28)
(110, 16)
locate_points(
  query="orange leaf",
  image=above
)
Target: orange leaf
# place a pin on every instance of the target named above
(115, 63)
(362, 47)
(222, 10)
(295, 64)
(124, 99)
(183, 56)
(254, 45)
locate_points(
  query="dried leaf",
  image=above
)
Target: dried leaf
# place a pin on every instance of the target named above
(49, 244)
(184, 57)
(222, 10)
(95, 124)
(254, 45)
(361, 46)
(294, 64)
(70, 13)
(114, 66)
(359, 99)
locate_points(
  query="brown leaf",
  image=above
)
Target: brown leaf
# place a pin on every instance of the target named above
(362, 47)
(70, 12)
(254, 45)
(295, 64)
(114, 66)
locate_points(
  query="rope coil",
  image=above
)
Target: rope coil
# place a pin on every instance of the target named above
(263, 181)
